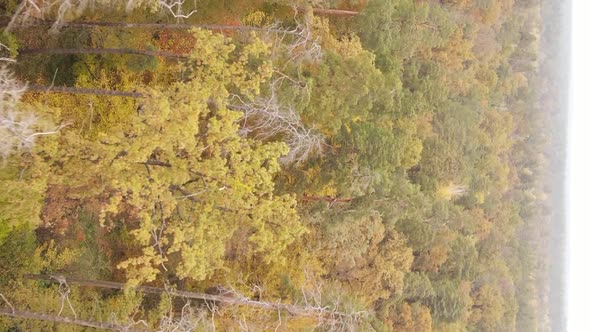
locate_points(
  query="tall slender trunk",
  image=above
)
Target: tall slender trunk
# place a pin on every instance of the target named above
(222, 27)
(33, 51)
(296, 310)
(328, 199)
(67, 320)
(88, 91)
(334, 12)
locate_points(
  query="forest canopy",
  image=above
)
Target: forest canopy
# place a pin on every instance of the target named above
(371, 165)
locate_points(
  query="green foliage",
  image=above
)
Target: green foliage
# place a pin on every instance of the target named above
(395, 30)
(360, 84)
(16, 254)
(462, 262)
(450, 301)
(10, 44)
(418, 287)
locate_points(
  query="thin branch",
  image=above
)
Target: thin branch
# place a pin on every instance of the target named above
(7, 302)
(178, 13)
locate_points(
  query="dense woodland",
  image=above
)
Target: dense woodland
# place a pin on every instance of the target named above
(274, 165)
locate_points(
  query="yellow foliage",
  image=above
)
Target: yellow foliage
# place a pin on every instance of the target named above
(414, 318)
(455, 52)
(480, 197)
(451, 191)
(50, 258)
(152, 166)
(256, 18)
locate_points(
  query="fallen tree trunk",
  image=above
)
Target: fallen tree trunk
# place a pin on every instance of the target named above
(88, 91)
(119, 51)
(172, 26)
(335, 12)
(232, 299)
(67, 320)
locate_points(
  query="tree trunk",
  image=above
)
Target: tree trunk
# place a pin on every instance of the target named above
(331, 200)
(88, 91)
(221, 27)
(233, 298)
(99, 51)
(334, 12)
(67, 320)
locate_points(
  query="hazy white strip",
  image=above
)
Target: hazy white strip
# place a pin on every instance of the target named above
(578, 174)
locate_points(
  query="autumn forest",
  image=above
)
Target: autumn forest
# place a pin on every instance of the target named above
(278, 165)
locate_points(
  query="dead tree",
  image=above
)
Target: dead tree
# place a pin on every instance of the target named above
(19, 128)
(189, 319)
(297, 44)
(265, 119)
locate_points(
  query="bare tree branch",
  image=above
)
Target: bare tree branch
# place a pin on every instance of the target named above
(305, 46)
(175, 8)
(7, 302)
(265, 119)
(18, 128)
(62, 11)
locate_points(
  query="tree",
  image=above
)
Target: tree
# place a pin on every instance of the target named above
(462, 263)
(461, 4)
(488, 308)
(23, 179)
(370, 259)
(451, 301)
(361, 87)
(319, 7)
(417, 287)
(182, 155)
(394, 30)
(179, 26)
(415, 318)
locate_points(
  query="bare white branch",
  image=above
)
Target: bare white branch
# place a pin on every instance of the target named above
(304, 47)
(18, 129)
(175, 7)
(64, 291)
(63, 11)
(7, 302)
(190, 319)
(266, 119)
